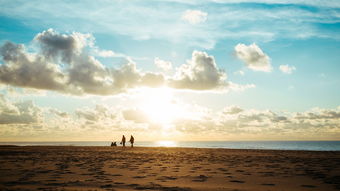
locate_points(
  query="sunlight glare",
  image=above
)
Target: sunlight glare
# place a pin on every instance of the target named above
(160, 106)
(166, 144)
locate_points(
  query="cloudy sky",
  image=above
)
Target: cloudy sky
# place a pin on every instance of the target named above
(169, 70)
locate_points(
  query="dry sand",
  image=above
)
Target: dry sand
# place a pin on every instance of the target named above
(108, 168)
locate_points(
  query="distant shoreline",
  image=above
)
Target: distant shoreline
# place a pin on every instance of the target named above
(160, 147)
(258, 145)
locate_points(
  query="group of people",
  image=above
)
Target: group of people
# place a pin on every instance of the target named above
(132, 140)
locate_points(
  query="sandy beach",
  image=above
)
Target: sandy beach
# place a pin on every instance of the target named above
(141, 168)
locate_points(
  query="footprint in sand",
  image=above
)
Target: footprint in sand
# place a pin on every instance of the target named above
(133, 185)
(119, 183)
(268, 184)
(166, 178)
(237, 181)
(308, 186)
(107, 186)
(200, 178)
(139, 177)
(222, 169)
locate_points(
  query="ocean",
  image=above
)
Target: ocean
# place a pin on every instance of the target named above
(273, 145)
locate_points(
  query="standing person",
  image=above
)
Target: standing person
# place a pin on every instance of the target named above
(132, 140)
(123, 141)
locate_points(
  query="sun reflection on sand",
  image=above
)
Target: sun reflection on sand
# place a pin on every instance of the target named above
(166, 143)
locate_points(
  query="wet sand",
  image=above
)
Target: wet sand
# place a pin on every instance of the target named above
(165, 169)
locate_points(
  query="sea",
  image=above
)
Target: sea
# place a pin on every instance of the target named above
(271, 145)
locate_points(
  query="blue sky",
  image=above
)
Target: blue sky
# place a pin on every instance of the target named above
(280, 56)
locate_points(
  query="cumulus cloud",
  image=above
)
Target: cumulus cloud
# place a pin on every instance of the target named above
(135, 115)
(18, 113)
(239, 87)
(107, 53)
(61, 46)
(240, 72)
(89, 115)
(287, 69)
(194, 16)
(265, 124)
(100, 112)
(29, 70)
(236, 121)
(253, 57)
(162, 64)
(125, 77)
(59, 113)
(230, 121)
(200, 73)
(232, 110)
(63, 64)
(318, 114)
(152, 80)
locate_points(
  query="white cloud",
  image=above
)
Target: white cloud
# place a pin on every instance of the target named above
(107, 53)
(87, 114)
(194, 16)
(59, 113)
(240, 72)
(25, 119)
(100, 115)
(62, 64)
(22, 69)
(55, 46)
(200, 73)
(265, 124)
(162, 64)
(253, 57)
(225, 22)
(331, 3)
(239, 87)
(287, 69)
(24, 112)
(152, 80)
(232, 110)
(135, 115)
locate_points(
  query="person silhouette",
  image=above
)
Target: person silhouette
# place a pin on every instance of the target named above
(113, 144)
(123, 141)
(132, 140)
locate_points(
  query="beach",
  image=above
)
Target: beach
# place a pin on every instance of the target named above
(168, 169)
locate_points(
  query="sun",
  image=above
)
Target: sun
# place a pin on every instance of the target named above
(160, 106)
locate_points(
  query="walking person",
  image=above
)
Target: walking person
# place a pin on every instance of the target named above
(132, 140)
(123, 141)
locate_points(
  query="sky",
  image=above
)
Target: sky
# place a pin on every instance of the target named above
(178, 70)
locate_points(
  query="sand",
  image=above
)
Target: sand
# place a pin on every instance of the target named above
(140, 168)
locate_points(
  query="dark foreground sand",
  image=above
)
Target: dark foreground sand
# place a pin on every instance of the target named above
(106, 168)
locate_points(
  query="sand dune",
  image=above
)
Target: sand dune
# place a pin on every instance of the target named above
(168, 169)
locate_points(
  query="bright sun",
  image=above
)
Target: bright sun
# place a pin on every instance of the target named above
(160, 107)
